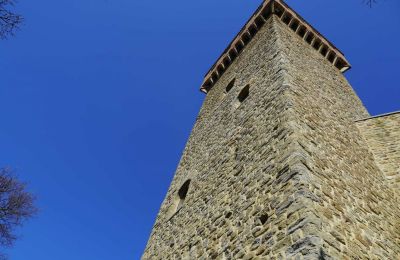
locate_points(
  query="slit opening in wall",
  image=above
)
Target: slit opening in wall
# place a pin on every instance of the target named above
(230, 85)
(182, 193)
(178, 199)
(263, 219)
(244, 93)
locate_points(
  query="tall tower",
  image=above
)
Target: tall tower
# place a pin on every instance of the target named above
(277, 166)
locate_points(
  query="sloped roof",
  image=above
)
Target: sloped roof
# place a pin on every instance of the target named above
(255, 23)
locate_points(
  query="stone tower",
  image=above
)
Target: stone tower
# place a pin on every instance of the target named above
(284, 161)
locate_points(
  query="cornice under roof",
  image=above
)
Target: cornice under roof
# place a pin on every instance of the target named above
(255, 23)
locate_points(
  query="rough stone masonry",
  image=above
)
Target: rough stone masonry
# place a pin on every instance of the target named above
(284, 161)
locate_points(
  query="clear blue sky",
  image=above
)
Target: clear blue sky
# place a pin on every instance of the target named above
(98, 98)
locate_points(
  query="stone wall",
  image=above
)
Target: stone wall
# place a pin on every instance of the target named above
(355, 212)
(283, 174)
(382, 134)
(239, 159)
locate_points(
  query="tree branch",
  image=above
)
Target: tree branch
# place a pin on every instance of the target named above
(9, 21)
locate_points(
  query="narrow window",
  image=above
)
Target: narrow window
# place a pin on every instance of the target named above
(182, 193)
(244, 94)
(263, 219)
(230, 86)
(178, 200)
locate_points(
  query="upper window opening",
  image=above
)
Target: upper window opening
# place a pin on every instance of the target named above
(178, 200)
(263, 219)
(184, 190)
(230, 85)
(244, 94)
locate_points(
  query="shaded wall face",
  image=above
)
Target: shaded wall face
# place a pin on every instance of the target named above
(358, 212)
(383, 137)
(245, 191)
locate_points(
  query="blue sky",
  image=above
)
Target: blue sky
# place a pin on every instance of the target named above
(99, 97)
